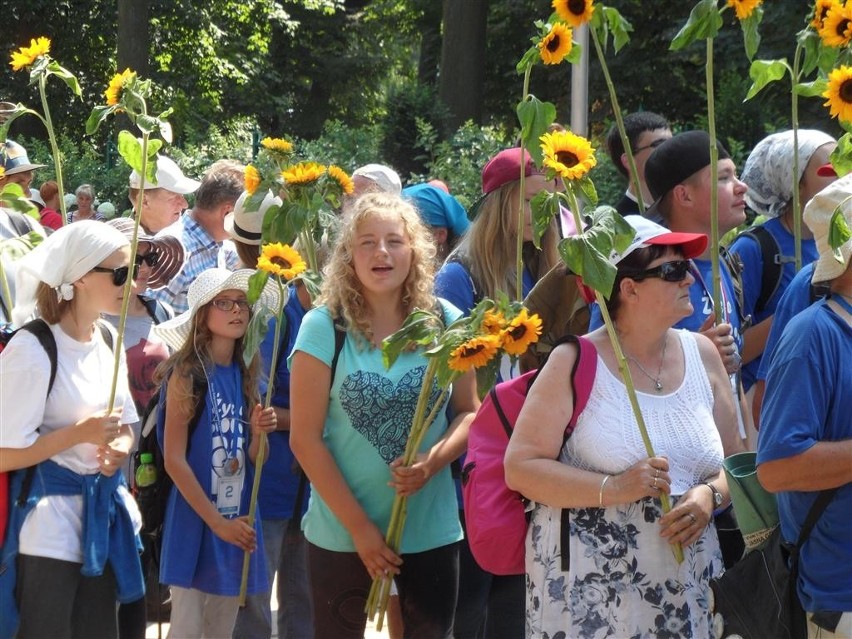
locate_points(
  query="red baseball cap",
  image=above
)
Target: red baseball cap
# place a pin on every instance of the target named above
(505, 167)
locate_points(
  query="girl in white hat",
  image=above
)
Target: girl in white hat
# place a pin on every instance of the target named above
(205, 533)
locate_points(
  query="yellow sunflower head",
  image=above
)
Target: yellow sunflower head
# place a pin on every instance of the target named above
(839, 93)
(569, 156)
(474, 353)
(251, 177)
(556, 44)
(574, 12)
(821, 8)
(744, 8)
(493, 322)
(303, 173)
(281, 260)
(116, 85)
(522, 331)
(277, 145)
(2, 171)
(836, 29)
(25, 56)
(342, 178)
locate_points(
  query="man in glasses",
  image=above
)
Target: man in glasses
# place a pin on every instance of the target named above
(202, 232)
(645, 132)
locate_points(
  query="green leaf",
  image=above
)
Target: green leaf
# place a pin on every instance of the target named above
(148, 124)
(838, 231)
(813, 89)
(763, 72)
(545, 206)
(587, 189)
(256, 284)
(12, 196)
(97, 116)
(529, 60)
(751, 36)
(486, 376)
(66, 76)
(575, 55)
(130, 148)
(255, 332)
(841, 157)
(312, 281)
(535, 116)
(581, 256)
(618, 26)
(704, 22)
(420, 327)
(14, 248)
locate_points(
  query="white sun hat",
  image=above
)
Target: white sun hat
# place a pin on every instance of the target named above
(169, 177)
(206, 287)
(245, 226)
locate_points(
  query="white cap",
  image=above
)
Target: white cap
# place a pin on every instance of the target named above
(169, 177)
(386, 178)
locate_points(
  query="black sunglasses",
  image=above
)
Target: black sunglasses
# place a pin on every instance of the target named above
(119, 275)
(653, 145)
(675, 271)
(151, 259)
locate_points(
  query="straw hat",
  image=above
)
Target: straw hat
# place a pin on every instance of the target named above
(206, 287)
(817, 215)
(247, 226)
(169, 248)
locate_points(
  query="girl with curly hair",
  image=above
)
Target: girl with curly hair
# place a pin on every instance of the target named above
(349, 428)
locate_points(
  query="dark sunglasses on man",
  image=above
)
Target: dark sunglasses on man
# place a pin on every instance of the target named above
(151, 258)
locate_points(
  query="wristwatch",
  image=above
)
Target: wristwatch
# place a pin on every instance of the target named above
(717, 496)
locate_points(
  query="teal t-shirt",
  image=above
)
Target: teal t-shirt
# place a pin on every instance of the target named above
(369, 417)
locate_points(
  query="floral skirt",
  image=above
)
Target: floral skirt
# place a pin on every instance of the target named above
(622, 581)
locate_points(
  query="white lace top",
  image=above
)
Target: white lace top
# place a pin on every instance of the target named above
(680, 425)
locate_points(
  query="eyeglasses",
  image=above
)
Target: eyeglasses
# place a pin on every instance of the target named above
(653, 145)
(150, 259)
(119, 275)
(225, 304)
(669, 271)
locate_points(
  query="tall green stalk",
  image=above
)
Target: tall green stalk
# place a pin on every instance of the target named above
(714, 192)
(57, 162)
(519, 257)
(797, 204)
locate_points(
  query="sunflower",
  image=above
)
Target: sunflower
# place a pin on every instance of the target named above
(278, 145)
(342, 178)
(821, 11)
(303, 173)
(744, 8)
(839, 93)
(474, 353)
(576, 12)
(569, 155)
(251, 177)
(522, 331)
(836, 29)
(282, 260)
(493, 322)
(2, 171)
(25, 56)
(113, 91)
(556, 44)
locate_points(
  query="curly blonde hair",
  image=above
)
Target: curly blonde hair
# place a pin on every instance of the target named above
(342, 291)
(488, 248)
(194, 360)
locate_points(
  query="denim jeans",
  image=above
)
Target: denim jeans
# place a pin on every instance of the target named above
(286, 554)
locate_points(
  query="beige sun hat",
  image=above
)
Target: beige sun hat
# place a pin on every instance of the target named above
(247, 226)
(203, 289)
(817, 216)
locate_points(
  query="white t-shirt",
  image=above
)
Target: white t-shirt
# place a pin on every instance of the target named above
(83, 377)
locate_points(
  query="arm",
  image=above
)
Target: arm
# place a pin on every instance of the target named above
(724, 410)
(531, 463)
(310, 381)
(754, 339)
(176, 433)
(464, 402)
(823, 465)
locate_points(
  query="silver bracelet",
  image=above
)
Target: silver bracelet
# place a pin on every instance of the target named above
(600, 494)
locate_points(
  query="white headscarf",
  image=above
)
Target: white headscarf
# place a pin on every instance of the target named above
(62, 259)
(769, 169)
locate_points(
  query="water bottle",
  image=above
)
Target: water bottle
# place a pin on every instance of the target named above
(146, 474)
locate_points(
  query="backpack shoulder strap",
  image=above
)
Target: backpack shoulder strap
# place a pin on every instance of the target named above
(156, 310)
(735, 269)
(339, 340)
(770, 253)
(106, 333)
(43, 334)
(583, 377)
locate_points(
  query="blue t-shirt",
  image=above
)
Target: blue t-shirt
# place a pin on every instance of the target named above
(795, 299)
(369, 417)
(455, 284)
(193, 556)
(279, 482)
(806, 402)
(749, 251)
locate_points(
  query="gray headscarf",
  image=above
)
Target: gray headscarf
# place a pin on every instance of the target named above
(768, 171)
(62, 259)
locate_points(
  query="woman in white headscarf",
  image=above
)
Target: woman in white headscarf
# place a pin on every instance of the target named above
(768, 251)
(76, 537)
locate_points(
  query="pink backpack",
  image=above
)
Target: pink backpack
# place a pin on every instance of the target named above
(494, 514)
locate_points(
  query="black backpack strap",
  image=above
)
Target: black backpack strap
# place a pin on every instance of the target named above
(820, 504)
(735, 269)
(772, 259)
(156, 310)
(339, 340)
(43, 334)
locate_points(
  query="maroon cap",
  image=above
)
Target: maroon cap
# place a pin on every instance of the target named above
(826, 170)
(505, 167)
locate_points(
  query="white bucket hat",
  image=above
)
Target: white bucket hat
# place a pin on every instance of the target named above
(246, 227)
(817, 215)
(385, 177)
(169, 177)
(203, 289)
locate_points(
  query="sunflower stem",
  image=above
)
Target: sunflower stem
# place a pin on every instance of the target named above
(54, 147)
(624, 369)
(714, 187)
(619, 121)
(519, 247)
(797, 204)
